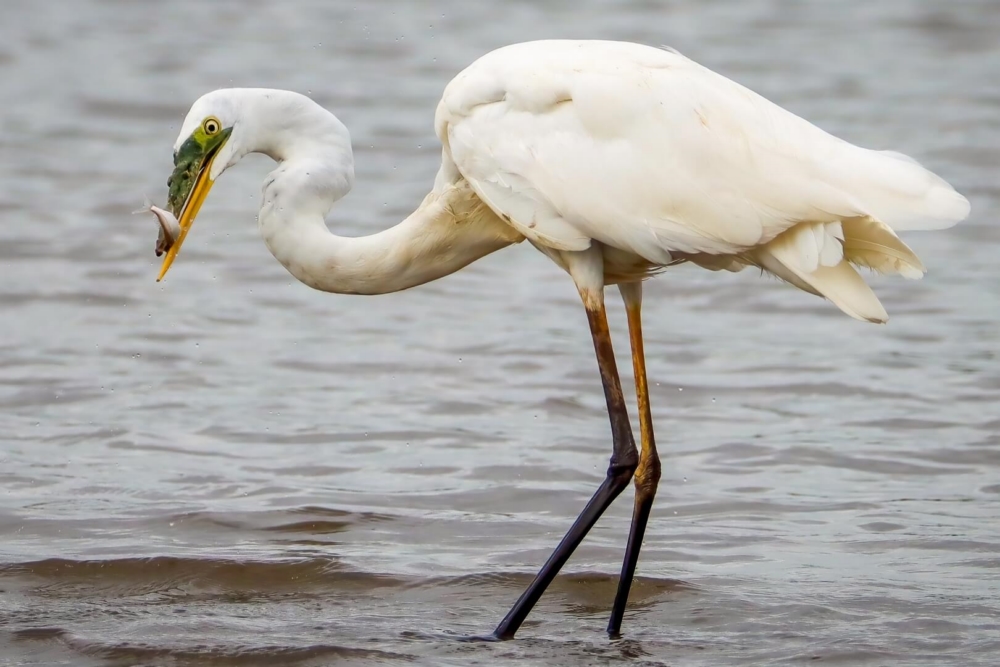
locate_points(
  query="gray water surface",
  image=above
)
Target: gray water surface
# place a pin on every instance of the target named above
(228, 468)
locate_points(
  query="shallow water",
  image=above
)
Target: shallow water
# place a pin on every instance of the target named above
(231, 469)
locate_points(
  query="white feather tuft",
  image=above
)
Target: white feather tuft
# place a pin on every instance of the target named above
(839, 283)
(871, 244)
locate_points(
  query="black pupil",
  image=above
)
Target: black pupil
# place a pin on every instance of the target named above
(210, 127)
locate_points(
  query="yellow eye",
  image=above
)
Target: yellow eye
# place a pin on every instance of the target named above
(211, 126)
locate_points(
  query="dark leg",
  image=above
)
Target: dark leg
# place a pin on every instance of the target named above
(623, 463)
(647, 475)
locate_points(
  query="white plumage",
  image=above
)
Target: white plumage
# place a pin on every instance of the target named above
(650, 153)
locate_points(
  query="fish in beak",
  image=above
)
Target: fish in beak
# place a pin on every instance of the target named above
(189, 185)
(170, 229)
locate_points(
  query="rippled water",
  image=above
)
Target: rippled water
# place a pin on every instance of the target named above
(231, 469)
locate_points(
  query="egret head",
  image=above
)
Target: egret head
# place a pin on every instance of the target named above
(205, 147)
(224, 125)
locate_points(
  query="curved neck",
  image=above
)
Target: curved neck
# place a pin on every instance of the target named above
(450, 228)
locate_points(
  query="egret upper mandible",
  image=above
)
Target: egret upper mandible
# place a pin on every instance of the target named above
(614, 159)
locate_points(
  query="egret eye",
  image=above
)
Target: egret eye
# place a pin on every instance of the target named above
(212, 126)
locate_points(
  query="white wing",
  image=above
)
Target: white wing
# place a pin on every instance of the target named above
(648, 152)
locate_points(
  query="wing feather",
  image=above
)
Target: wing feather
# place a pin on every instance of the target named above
(646, 151)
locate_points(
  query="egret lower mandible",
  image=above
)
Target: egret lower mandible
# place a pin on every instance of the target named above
(616, 160)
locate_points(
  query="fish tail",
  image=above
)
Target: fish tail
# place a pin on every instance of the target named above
(147, 204)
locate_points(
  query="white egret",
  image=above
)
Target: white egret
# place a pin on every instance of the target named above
(615, 160)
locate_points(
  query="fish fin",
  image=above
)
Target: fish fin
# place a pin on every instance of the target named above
(147, 204)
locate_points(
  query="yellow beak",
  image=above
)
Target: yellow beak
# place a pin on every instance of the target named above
(199, 192)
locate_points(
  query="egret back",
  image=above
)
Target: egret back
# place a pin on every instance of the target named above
(650, 153)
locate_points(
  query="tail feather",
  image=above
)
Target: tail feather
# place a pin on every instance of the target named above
(763, 258)
(881, 192)
(897, 190)
(848, 291)
(839, 283)
(871, 244)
